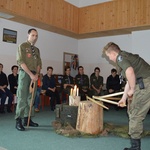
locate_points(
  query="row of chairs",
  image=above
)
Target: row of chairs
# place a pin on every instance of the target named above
(45, 100)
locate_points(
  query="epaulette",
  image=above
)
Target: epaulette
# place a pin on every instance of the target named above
(119, 58)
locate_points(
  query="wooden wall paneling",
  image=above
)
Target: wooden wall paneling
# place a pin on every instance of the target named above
(119, 14)
(125, 13)
(57, 13)
(75, 20)
(147, 5)
(110, 16)
(101, 17)
(122, 14)
(23, 8)
(48, 12)
(113, 12)
(68, 16)
(133, 12)
(94, 22)
(142, 14)
(87, 19)
(44, 11)
(139, 12)
(64, 18)
(84, 20)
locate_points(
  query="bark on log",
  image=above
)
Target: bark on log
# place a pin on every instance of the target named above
(90, 118)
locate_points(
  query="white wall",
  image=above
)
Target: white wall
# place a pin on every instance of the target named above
(141, 44)
(83, 3)
(51, 45)
(90, 52)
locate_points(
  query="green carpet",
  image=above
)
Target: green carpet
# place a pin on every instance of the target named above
(109, 129)
(44, 137)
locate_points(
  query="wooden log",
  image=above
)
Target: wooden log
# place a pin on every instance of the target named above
(66, 114)
(90, 118)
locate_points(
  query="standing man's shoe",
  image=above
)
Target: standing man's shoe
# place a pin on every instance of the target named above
(31, 123)
(135, 145)
(36, 110)
(19, 125)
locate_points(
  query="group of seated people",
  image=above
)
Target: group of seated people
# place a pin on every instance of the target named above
(93, 85)
(4, 91)
(87, 86)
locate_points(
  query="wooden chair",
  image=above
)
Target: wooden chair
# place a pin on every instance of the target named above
(45, 100)
(66, 96)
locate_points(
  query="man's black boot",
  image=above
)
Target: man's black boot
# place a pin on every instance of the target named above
(135, 144)
(31, 123)
(19, 125)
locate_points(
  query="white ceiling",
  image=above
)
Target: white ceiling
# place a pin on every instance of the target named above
(83, 3)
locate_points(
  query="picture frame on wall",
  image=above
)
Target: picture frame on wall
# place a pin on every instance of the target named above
(9, 36)
(72, 61)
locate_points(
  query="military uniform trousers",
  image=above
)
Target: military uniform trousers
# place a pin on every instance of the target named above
(138, 108)
(24, 95)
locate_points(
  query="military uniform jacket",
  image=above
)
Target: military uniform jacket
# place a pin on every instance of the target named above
(25, 55)
(96, 82)
(67, 80)
(125, 60)
(82, 81)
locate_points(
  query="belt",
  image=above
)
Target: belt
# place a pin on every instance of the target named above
(34, 72)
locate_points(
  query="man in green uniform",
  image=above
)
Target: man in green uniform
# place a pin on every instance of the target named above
(96, 82)
(82, 81)
(67, 82)
(137, 89)
(29, 61)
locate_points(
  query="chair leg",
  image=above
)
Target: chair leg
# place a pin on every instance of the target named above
(42, 101)
(13, 103)
(45, 100)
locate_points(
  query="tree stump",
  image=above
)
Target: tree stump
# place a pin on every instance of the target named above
(90, 118)
(67, 114)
